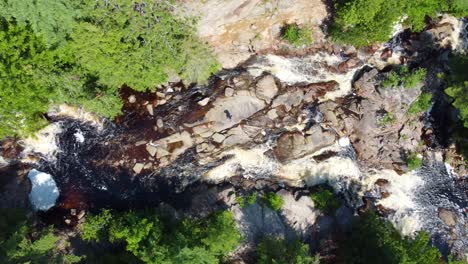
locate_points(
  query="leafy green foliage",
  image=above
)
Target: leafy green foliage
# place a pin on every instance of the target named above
(363, 22)
(413, 161)
(28, 79)
(16, 245)
(95, 227)
(157, 239)
(421, 104)
(459, 8)
(411, 80)
(122, 42)
(402, 76)
(325, 200)
(82, 52)
(374, 241)
(458, 89)
(252, 198)
(273, 200)
(387, 119)
(279, 251)
(297, 36)
(52, 19)
(241, 201)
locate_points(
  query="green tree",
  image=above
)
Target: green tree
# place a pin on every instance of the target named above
(374, 241)
(153, 238)
(27, 79)
(16, 245)
(279, 251)
(363, 22)
(138, 44)
(52, 19)
(458, 88)
(196, 255)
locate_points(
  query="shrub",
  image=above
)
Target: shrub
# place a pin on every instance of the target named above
(411, 80)
(296, 35)
(19, 245)
(363, 22)
(374, 241)
(403, 76)
(458, 88)
(325, 200)
(279, 251)
(387, 119)
(273, 200)
(413, 161)
(252, 198)
(422, 104)
(154, 238)
(241, 201)
(393, 79)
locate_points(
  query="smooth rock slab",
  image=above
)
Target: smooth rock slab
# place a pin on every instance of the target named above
(44, 191)
(228, 112)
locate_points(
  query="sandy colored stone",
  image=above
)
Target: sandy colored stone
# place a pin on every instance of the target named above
(233, 27)
(138, 167)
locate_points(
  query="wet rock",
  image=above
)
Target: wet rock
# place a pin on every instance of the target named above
(204, 101)
(318, 90)
(138, 167)
(291, 98)
(151, 149)
(160, 123)
(150, 109)
(81, 214)
(255, 221)
(386, 53)
(448, 216)
(139, 143)
(266, 88)
(300, 215)
(344, 217)
(347, 65)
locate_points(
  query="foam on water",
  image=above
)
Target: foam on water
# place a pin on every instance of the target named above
(79, 136)
(43, 143)
(44, 191)
(76, 113)
(402, 199)
(309, 69)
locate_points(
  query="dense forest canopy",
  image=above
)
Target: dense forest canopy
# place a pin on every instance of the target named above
(82, 52)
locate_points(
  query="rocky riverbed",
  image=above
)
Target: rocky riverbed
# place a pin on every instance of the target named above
(283, 121)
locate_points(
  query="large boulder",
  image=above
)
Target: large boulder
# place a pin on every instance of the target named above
(236, 29)
(294, 145)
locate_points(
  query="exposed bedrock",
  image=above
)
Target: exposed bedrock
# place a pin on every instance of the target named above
(280, 123)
